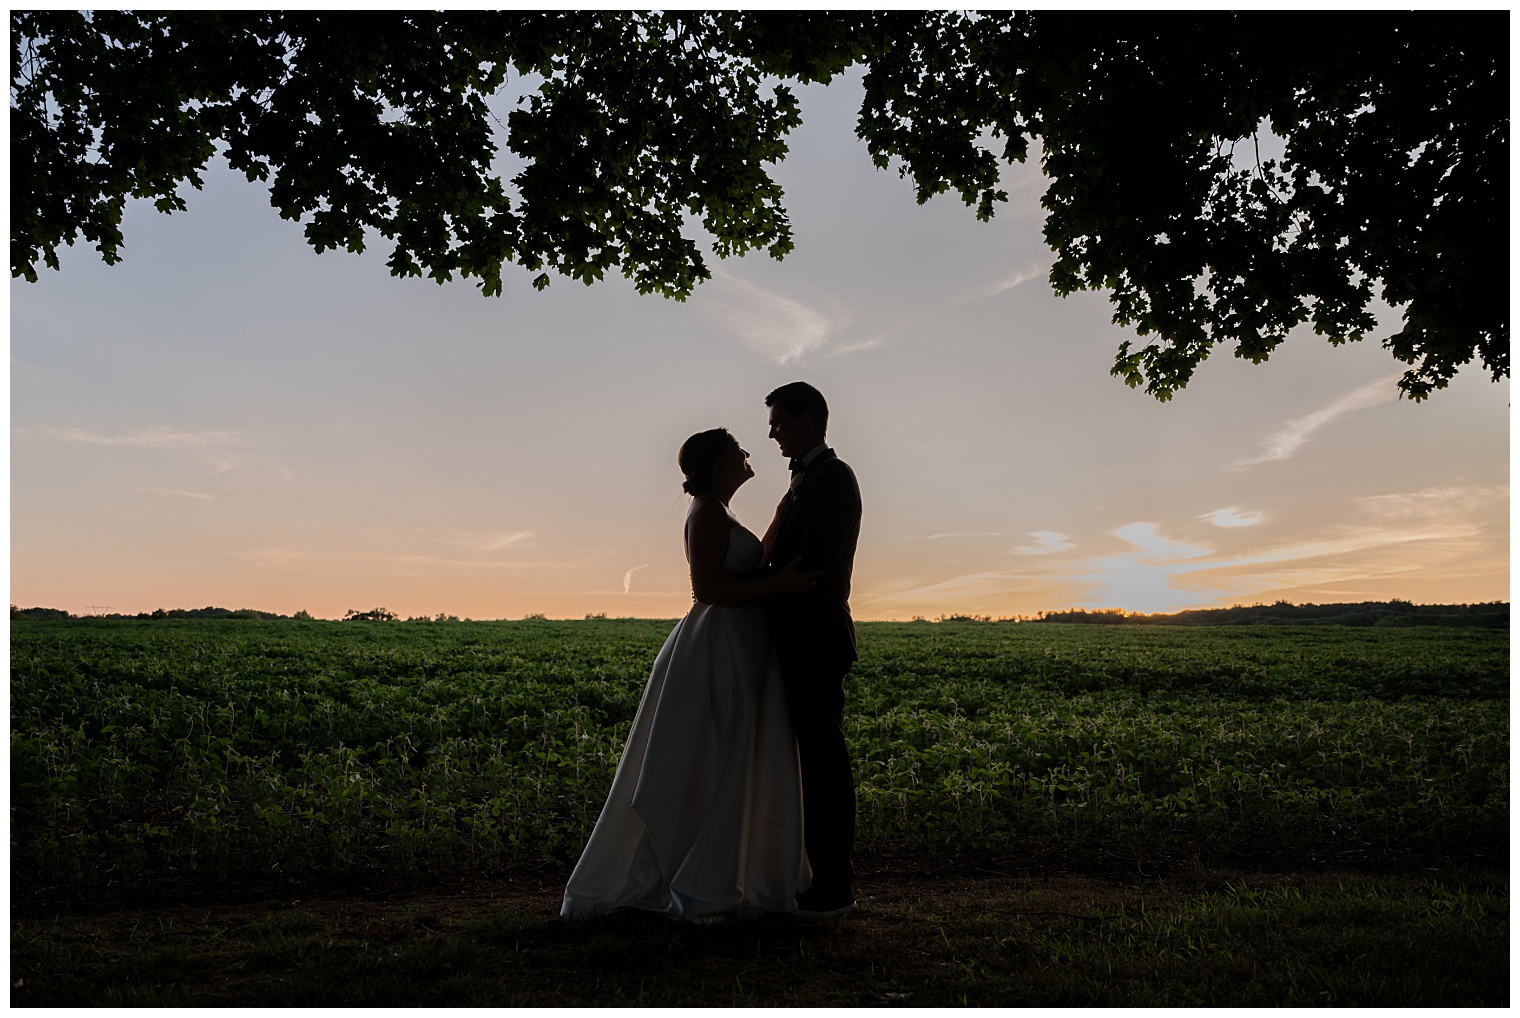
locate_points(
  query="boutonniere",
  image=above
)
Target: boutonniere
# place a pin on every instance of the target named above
(796, 481)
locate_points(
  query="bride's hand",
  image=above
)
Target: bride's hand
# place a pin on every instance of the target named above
(791, 580)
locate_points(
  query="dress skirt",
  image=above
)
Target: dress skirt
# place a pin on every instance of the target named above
(704, 820)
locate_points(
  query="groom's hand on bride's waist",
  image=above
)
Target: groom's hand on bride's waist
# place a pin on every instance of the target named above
(760, 573)
(791, 570)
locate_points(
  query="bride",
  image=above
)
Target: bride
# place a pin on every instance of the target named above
(704, 819)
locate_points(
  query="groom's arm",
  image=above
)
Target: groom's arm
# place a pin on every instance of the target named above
(769, 540)
(759, 573)
(769, 568)
(832, 524)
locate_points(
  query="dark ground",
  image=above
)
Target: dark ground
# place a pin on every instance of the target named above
(1105, 930)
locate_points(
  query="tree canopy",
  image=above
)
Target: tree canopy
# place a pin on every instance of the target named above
(1392, 174)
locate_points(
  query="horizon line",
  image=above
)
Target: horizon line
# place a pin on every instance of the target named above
(945, 616)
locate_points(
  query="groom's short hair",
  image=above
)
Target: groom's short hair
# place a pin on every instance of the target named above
(797, 397)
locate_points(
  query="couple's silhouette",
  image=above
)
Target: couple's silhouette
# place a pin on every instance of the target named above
(734, 795)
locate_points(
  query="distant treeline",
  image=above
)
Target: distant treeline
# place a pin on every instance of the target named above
(1488, 615)
(373, 615)
(160, 613)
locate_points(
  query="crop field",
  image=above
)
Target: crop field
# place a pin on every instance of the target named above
(240, 746)
(235, 812)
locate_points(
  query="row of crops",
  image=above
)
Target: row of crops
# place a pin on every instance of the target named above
(236, 746)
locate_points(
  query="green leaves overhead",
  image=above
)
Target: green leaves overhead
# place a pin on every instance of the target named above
(640, 121)
(357, 123)
(1150, 128)
(1225, 177)
(380, 123)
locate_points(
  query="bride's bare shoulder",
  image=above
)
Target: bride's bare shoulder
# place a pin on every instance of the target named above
(708, 517)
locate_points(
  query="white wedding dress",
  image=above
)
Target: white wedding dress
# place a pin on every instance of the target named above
(704, 820)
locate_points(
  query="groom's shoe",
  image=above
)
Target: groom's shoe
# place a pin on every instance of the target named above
(824, 905)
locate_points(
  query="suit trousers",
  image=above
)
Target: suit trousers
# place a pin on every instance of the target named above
(815, 701)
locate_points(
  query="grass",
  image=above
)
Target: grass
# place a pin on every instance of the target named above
(301, 813)
(241, 747)
(970, 938)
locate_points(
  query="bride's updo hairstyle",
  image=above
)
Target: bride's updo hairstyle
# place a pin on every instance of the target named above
(697, 456)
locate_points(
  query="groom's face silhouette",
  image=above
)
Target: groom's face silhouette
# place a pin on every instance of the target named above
(797, 436)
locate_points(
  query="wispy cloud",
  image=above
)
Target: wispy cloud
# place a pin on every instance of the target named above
(779, 326)
(956, 589)
(628, 576)
(506, 540)
(1033, 270)
(438, 560)
(162, 436)
(1233, 516)
(1045, 543)
(173, 491)
(1389, 538)
(1162, 574)
(1140, 580)
(267, 556)
(870, 344)
(483, 542)
(1344, 541)
(1289, 438)
(1430, 503)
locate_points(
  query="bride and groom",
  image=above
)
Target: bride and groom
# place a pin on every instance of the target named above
(734, 795)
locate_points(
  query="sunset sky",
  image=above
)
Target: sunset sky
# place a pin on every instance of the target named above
(227, 418)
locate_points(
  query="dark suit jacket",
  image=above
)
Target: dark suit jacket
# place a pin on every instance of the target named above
(821, 523)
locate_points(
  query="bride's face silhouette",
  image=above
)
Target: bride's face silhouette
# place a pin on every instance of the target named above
(732, 468)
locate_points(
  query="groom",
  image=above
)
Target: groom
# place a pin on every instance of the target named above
(819, 520)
